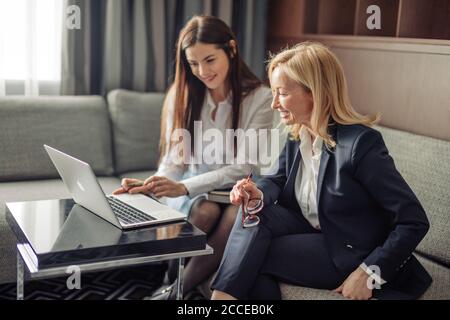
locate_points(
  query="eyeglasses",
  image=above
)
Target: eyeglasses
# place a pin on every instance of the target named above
(249, 217)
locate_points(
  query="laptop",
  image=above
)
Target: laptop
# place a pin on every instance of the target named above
(125, 211)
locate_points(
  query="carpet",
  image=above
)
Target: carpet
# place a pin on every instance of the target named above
(120, 284)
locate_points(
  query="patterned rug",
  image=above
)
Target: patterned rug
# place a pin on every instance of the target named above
(121, 284)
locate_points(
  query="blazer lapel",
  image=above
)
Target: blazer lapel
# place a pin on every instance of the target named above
(332, 127)
(322, 168)
(290, 183)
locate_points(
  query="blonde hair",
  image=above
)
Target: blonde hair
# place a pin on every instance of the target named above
(317, 70)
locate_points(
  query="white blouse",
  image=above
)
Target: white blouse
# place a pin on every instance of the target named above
(209, 175)
(307, 175)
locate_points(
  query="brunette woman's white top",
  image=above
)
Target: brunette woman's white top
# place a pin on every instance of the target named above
(211, 169)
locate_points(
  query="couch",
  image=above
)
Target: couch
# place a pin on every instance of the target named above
(119, 137)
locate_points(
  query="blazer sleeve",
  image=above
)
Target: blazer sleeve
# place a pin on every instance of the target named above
(375, 170)
(258, 116)
(272, 184)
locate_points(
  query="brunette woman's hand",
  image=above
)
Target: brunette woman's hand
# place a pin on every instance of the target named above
(161, 187)
(127, 184)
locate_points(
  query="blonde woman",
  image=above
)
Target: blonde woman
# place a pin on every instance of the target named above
(336, 209)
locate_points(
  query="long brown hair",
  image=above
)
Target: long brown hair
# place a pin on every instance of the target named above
(190, 91)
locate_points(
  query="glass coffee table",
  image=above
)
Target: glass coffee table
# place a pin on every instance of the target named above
(56, 237)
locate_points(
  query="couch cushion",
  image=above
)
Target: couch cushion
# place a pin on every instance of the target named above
(439, 289)
(291, 292)
(46, 189)
(424, 163)
(136, 121)
(76, 125)
(7, 249)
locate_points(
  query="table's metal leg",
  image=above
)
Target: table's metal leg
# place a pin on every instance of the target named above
(20, 276)
(180, 279)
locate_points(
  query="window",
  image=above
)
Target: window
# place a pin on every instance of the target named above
(30, 46)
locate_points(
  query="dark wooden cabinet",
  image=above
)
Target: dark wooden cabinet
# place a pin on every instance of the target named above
(425, 19)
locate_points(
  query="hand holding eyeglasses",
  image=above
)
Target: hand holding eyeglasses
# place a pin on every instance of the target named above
(246, 194)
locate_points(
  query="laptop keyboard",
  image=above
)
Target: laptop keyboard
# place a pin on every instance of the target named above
(126, 213)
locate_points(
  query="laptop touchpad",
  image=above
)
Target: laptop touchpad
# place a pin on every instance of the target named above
(141, 202)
